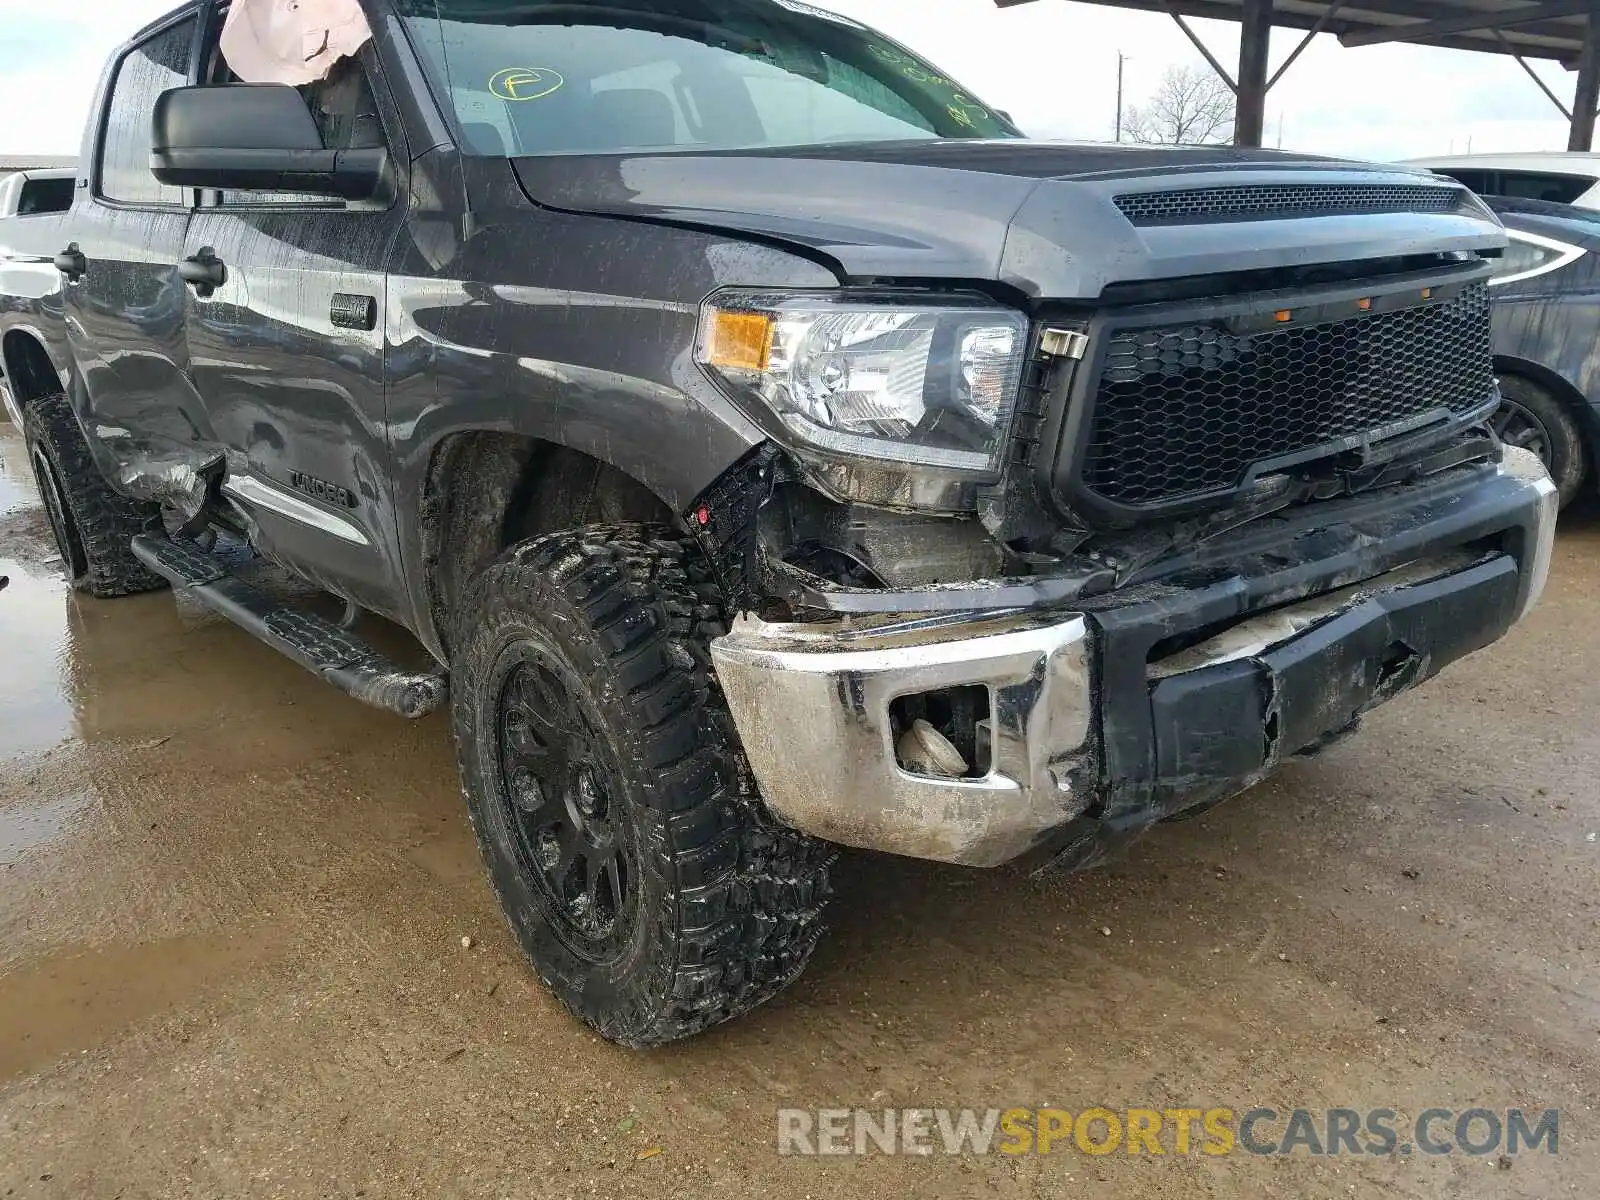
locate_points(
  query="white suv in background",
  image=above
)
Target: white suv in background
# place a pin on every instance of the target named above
(1561, 178)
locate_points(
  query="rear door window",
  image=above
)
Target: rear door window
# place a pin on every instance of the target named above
(156, 66)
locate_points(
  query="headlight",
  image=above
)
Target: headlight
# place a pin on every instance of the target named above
(928, 382)
(1530, 255)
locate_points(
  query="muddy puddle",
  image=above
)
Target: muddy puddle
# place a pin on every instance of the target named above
(16, 484)
(35, 713)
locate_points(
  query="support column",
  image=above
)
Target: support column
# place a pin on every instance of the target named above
(1254, 40)
(1587, 96)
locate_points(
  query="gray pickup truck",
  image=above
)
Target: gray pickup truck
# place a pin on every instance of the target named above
(770, 448)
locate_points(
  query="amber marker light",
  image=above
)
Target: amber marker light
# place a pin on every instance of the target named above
(741, 341)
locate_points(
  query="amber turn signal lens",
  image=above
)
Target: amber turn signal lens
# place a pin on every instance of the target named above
(1283, 314)
(1364, 305)
(741, 341)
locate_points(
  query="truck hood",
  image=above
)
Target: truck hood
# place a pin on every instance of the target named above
(1037, 216)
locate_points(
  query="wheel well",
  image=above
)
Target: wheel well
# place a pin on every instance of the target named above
(1566, 394)
(488, 491)
(29, 372)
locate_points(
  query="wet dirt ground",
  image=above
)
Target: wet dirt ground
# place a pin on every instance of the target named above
(232, 905)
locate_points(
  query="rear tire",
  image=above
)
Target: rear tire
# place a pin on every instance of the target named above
(614, 809)
(1533, 418)
(94, 526)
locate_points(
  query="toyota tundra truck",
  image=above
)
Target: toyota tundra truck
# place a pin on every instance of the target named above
(770, 448)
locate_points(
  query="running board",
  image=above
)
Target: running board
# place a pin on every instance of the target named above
(320, 646)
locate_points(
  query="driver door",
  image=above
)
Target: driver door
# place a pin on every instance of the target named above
(288, 354)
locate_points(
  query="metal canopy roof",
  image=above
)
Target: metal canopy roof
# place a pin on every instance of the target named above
(1565, 30)
(1532, 28)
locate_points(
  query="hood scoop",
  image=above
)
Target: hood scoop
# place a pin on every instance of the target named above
(1285, 201)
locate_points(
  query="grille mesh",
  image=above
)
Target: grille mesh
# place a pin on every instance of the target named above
(1185, 410)
(1283, 200)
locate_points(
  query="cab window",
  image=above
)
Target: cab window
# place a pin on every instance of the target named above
(1544, 185)
(1481, 182)
(41, 196)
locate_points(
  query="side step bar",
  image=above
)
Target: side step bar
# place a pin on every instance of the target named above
(316, 644)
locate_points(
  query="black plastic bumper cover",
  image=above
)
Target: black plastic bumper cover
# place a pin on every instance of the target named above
(1216, 727)
(1182, 742)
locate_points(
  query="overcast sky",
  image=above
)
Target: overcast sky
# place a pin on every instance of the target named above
(1052, 64)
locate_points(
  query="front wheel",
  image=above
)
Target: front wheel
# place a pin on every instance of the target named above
(1531, 417)
(612, 804)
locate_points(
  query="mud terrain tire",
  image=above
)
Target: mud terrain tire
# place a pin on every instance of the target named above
(94, 526)
(616, 814)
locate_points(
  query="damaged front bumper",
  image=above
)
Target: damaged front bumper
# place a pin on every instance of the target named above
(1097, 726)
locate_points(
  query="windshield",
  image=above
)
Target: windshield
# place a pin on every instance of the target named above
(540, 77)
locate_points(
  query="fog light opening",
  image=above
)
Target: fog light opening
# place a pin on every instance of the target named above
(944, 734)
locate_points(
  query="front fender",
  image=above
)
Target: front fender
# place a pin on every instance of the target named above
(575, 330)
(609, 376)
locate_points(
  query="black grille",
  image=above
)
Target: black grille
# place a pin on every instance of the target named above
(1270, 200)
(1185, 410)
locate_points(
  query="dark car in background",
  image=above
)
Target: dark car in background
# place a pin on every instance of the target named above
(1546, 318)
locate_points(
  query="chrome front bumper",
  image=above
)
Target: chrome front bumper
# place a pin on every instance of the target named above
(812, 706)
(812, 701)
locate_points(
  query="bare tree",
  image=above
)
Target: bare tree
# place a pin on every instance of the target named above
(1190, 105)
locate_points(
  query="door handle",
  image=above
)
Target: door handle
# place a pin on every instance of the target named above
(72, 263)
(204, 272)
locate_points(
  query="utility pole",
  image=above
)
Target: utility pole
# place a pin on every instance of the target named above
(1121, 58)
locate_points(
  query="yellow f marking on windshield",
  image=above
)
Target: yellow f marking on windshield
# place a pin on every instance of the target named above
(525, 83)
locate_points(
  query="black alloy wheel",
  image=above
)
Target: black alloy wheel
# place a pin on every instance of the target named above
(1517, 425)
(68, 544)
(562, 794)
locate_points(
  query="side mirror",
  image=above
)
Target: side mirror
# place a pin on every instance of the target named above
(256, 138)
